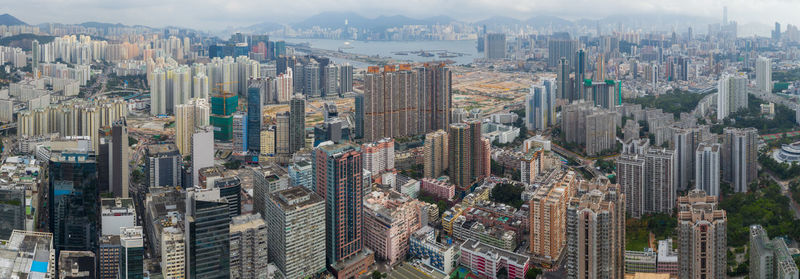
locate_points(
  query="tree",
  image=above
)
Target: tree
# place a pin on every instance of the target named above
(132, 141)
(507, 194)
(232, 165)
(533, 273)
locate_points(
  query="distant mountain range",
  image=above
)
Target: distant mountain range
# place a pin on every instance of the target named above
(7, 19)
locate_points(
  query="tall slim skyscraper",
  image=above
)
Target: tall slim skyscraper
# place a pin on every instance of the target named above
(579, 65)
(248, 254)
(685, 142)
(436, 153)
(648, 179)
(564, 82)
(764, 74)
(557, 48)
(548, 208)
(36, 56)
(707, 168)
(282, 132)
(739, 157)
(495, 46)
(345, 78)
(732, 95)
(131, 262)
(255, 119)
(540, 106)
(297, 218)
(202, 152)
(207, 235)
(338, 180)
(702, 238)
(74, 200)
(596, 232)
(297, 124)
(359, 116)
(460, 154)
(119, 164)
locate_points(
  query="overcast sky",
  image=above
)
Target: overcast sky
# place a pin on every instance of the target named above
(219, 14)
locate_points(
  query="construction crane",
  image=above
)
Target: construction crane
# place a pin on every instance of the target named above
(220, 87)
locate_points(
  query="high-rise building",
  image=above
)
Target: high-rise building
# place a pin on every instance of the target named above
(119, 164)
(311, 79)
(648, 179)
(565, 86)
(548, 209)
(460, 154)
(358, 117)
(338, 180)
(436, 153)
(702, 238)
(345, 78)
(207, 235)
(158, 92)
(389, 220)
(202, 152)
(239, 132)
(579, 66)
(707, 168)
(248, 252)
(131, 261)
(596, 232)
(223, 105)
(188, 117)
(297, 218)
(739, 157)
(12, 209)
(74, 200)
(36, 56)
(297, 124)
(285, 86)
(116, 213)
(732, 94)
(282, 131)
(255, 119)
(109, 256)
(540, 106)
(163, 165)
(557, 48)
(330, 80)
(685, 142)
(769, 258)
(379, 156)
(764, 74)
(268, 179)
(495, 46)
(173, 253)
(593, 127)
(77, 265)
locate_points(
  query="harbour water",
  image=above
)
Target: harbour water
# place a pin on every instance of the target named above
(396, 49)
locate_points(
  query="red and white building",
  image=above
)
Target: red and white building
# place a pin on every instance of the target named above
(485, 260)
(439, 187)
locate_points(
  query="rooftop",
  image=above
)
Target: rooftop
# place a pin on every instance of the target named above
(294, 198)
(26, 255)
(491, 251)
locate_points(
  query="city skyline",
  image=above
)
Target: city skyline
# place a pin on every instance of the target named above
(238, 14)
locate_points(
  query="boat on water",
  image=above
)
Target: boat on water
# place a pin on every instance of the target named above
(401, 53)
(426, 54)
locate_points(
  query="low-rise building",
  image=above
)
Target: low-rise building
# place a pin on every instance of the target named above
(27, 254)
(667, 258)
(439, 256)
(640, 261)
(389, 220)
(487, 261)
(440, 187)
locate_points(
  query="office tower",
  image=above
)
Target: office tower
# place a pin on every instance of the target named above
(358, 117)
(239, 132)
(109, 256)
(764, 74)
(311, 80)
(230, 189)
(74, 202)
(379, 156)
(12, 209)
(223, 105)
(282, 138)
(77, 265)
(207, 235)
(268, 179)
(702, 239)
(540, 107)
(300, 174)
(596, 232)
(558, 48)
(248, 254)
(579, 66)
(564, 84)
(591, 126)
(268, 141)
(460, 154)
(255, 119)
(495, 46)
(776, 33)
(739, 157)
(28, 254)
(724, 15)
(163, 165)
(118, 159)
(345, 78)
(188, 117)
(330, 78)
(297, 124)
(769, 258)
(296, 216)
(115, 214)
(548, 216)
(131, 262)
(337, 169)
(732, 94)
(202, 152)
(436, 153)
(707, 168)
(389, 220)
